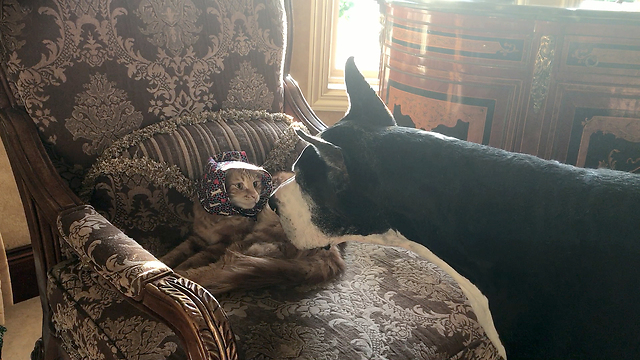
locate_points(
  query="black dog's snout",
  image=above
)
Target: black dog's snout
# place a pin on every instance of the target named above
(273, 204)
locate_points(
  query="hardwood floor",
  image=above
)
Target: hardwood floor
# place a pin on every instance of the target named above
(24, 327)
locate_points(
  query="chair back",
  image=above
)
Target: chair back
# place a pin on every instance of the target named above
(90, 72)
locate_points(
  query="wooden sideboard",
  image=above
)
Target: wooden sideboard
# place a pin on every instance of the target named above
(555, 82)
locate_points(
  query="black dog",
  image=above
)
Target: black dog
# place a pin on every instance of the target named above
(555, 248)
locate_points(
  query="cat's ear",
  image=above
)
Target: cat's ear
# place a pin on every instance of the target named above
(331, 154)
(365, 106)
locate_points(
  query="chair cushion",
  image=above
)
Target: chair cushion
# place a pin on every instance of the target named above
(389, 304)
(90, 72)
(143, 183)
(86, 310)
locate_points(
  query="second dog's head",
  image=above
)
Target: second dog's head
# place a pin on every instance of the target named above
(323, 204)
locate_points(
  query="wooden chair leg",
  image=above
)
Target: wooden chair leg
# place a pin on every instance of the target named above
(45, 348)
(38, 350)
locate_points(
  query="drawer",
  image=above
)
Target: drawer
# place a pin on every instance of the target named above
(463, 42)
(601, 55)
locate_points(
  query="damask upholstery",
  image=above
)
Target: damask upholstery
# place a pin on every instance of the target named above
(102, 69)
(88, 311)
(77, 76)
(389, 303)
(121, 261)
(93, 312)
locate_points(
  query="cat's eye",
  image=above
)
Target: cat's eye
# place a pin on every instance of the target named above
(256, 184)
(240, 186)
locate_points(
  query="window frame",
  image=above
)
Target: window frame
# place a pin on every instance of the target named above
(325, 89)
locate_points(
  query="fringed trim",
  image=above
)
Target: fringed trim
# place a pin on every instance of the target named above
(158, 173)
(169, 126)
(284, 149)
(111, 161)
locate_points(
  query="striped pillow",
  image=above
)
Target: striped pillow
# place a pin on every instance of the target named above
(143, 183)
(188, 141)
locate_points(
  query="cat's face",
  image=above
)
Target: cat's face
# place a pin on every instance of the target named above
(244, 187)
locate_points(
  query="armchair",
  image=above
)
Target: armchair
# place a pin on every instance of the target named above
(108, 110)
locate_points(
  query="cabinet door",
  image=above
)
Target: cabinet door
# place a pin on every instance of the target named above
(595, 120)
(473, 111)
(595, 126)
(457, 74)
(610, 142)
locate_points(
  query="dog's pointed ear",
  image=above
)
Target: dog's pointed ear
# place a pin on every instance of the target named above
(331, 154)
(365, 105)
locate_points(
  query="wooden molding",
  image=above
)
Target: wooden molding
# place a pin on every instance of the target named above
(23, 273)
(325, 84)
(321, 96)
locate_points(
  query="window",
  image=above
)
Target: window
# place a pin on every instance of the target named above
(357, 33)
(333, 38)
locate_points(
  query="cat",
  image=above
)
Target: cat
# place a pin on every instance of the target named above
(239, 252)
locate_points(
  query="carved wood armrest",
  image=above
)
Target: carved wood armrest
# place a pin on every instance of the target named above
(196, 316)
(188, 308)
(297, 106)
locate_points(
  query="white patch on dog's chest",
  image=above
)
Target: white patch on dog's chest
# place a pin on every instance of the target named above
(294, 210)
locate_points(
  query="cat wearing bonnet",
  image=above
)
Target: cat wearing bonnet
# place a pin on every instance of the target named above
(237, 242)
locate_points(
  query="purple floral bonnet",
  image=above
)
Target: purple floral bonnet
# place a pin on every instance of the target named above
(211, 189)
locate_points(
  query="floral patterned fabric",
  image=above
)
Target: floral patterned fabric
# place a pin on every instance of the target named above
(95, 70)
(389, 304)
(87, 310)
(116, 257)
(91, 299)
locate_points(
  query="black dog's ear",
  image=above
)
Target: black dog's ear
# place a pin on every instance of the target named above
(365, 105)
(331, 154)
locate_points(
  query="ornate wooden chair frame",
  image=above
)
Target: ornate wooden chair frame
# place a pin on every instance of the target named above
(51, 206)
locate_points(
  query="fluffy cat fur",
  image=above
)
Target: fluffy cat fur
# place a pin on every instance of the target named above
(235, 252)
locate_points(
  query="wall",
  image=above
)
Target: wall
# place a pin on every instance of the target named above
(303, 25)
(13, 225)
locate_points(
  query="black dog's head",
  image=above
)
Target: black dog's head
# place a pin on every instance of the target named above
(323, 204)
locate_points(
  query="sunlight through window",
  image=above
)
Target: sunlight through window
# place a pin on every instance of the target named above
(357, 33)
